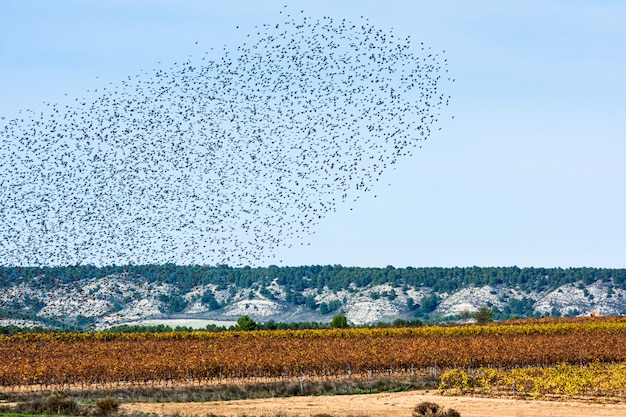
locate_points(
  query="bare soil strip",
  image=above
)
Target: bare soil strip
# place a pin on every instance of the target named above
(385, 405)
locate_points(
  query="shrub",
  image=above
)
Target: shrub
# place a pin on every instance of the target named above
(60, 404)
(339, 322)
(428, 409)
(106, 407)
(456, 378)
(483, 315)
(451, 412)
(246, 323)
(56, 403)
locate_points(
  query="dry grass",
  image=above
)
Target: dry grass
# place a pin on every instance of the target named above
(106, 403)
(240, 391)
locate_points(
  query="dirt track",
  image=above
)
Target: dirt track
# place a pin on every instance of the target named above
(386, 405)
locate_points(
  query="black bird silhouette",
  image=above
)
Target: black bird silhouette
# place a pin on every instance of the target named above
(219, 159)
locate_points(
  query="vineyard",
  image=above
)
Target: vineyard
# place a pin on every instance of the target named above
(81, 360)
(563, 380)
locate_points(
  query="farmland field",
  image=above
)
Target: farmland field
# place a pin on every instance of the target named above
(80, 361)
(397, 404)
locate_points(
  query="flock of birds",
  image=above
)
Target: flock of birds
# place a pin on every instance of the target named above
(220, 159)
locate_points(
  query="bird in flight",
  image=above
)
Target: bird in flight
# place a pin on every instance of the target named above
(222, 158)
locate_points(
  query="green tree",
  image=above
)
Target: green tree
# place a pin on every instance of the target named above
(465, 315)
(246, 323)
(84, 322)
(339, 321)
(310, 302)
(171, 304)
(430, 303)
(209, 299)
(555, 312)
(483, 315)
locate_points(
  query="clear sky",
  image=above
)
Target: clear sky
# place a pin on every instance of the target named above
(531, 171)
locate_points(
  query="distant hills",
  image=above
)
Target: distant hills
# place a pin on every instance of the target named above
(99, 297)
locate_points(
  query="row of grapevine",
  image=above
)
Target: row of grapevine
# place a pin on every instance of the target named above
(92, 358)
(565, 380)
(546, 325)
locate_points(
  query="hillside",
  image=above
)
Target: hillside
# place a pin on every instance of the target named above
(91, 297)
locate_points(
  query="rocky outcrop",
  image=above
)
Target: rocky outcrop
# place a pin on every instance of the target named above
(116, 300)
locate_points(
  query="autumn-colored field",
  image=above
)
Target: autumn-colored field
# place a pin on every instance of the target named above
(606, 381)
(72, 360)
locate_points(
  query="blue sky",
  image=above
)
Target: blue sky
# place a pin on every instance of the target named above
(530, 172)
